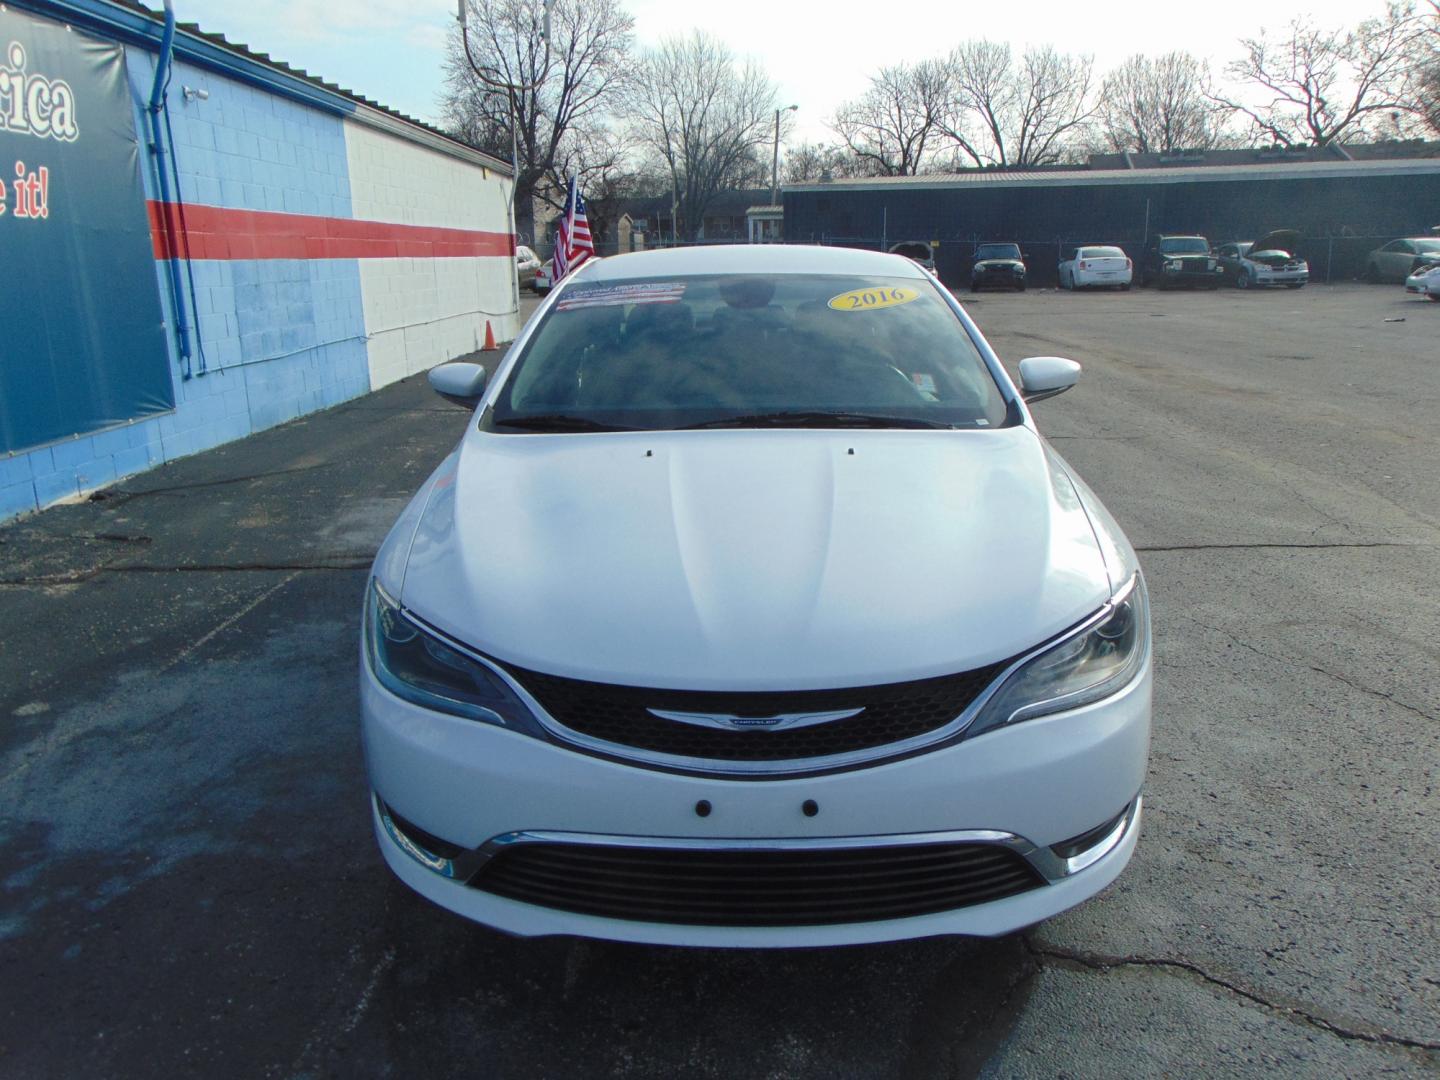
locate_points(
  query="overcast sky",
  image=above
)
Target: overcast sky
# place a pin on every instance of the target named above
(820, 54)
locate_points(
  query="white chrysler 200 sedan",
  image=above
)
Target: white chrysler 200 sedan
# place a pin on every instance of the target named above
(752, 610)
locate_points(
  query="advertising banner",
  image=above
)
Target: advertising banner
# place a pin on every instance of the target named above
(82, 341)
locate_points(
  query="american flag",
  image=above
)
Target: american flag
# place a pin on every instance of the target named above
(572, 237)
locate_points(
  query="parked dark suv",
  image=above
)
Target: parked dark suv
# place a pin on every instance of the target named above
(997, 266)
(1180, 260)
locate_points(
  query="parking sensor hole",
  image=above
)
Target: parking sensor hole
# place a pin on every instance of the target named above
(703, 808)
(809, 808)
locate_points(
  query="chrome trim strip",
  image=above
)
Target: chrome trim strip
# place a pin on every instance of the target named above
(779, 722)
(1112, 839)
(1044, 861)
(1018, 844)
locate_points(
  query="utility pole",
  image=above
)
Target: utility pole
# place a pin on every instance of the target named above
(775, 156)
(511, 89)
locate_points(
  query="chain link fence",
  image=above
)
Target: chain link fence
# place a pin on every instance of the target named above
(1332, 257)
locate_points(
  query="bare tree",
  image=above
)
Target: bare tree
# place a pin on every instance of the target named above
(808, 162)
(599, 158)
(571, 84)
(1021, 113)
(1426, 66)
(1160, 105)
(1324, 86)
(892, 129)
(706, 118)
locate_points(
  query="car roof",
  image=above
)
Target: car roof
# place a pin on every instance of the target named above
(748, 259)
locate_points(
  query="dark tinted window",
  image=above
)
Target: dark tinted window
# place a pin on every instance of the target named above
(1184, 245)
(671, 353)
(997, 251)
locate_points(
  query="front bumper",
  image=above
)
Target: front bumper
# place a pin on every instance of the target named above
(1281, 277)
(1039, 782)
(999, 275)
(1187, 276)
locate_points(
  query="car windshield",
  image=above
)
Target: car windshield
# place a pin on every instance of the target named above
(728, 350)
(1184, 245)
(997, 251)
(1428, 246)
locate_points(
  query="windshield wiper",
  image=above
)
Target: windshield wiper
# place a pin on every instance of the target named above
(557, 422)
(815, 418)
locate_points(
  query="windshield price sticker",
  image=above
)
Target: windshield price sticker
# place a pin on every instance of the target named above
(873, 299)
(654, 292)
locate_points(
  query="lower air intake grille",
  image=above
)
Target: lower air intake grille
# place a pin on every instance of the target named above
(892, 713)
(804, 887)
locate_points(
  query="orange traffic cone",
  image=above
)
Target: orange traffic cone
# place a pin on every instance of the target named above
(489, 345)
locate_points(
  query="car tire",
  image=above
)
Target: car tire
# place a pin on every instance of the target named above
(1125, 287)
(1242, 280)
(1372, 273)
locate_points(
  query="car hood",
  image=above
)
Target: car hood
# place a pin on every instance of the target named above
(754, 559)
(1273, 258)
(1285, 240)
(997, 263)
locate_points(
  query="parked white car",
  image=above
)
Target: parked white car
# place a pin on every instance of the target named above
(541, 282)
(753, 610)
(527, 264)
(1097, 266)
(1425, 281)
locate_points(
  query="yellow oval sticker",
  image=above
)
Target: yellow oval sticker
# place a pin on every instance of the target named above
(874, 298)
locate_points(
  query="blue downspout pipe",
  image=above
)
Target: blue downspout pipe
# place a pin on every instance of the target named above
(157, 146)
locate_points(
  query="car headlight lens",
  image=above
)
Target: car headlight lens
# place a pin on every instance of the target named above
(1099, 659)
(1173, 264)
(415, 665)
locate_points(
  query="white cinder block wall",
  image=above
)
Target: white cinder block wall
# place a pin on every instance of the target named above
(421, 310)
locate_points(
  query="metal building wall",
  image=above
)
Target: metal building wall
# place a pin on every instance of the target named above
(1343, 218)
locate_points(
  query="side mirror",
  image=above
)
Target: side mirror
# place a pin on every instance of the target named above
(1043, 377)
(459, 382)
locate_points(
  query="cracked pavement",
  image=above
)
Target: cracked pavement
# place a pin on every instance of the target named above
(189, 881)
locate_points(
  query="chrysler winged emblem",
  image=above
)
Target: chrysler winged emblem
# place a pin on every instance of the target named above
(780, 722)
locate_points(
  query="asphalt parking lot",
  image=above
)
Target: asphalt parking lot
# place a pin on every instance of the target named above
(190, 885)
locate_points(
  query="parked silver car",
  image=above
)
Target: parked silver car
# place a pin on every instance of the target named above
(1399, 259)
(1267, 261)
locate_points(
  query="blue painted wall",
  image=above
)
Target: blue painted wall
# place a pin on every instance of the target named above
(276, 338)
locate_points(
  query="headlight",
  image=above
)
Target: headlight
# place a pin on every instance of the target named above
(415, 665)
(1100, 658)
(1173, 264)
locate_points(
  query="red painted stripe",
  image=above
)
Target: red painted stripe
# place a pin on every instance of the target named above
(217, 232)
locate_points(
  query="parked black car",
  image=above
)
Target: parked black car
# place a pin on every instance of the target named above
(997, 266)
(1180, 260)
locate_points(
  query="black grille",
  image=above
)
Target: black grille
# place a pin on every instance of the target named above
(893, 712)
(756, 888)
